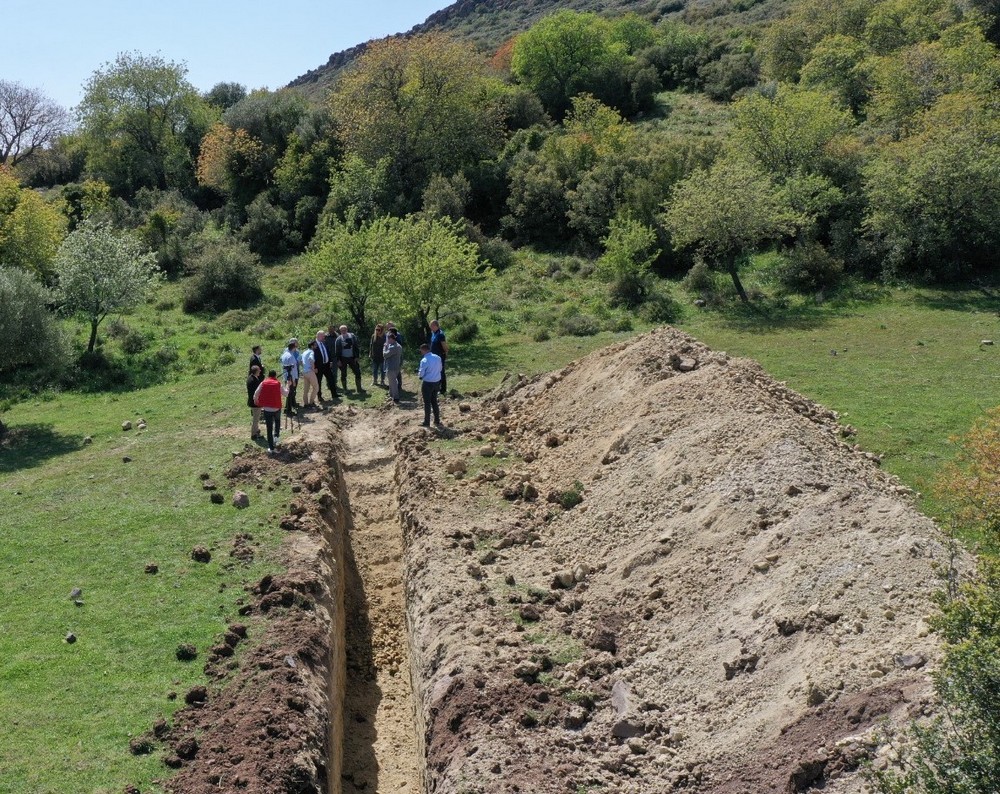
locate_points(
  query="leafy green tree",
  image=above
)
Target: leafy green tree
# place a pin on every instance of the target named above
(227, 275)
(932, 199)
(837, 64)
(28, 330)
(727, 212)
(426, 103)
(412, 266)
(570, 53)
(30, 228)
(629, 251)
(138, 116)
(101, 271)
(225, 95)
(359, 193)
(790, 132)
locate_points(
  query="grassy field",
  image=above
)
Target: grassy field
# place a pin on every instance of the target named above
(905, 367)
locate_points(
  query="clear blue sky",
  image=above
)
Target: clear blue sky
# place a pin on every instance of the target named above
(56, 46)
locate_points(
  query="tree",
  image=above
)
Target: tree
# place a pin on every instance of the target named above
(225, 95)
(28, 330)
(790, 132)
(29, 121)
(932, 199)
(30, 228)
(429, 104)
(569, 53)
(629, 251)
(413, 265)
(101, 271)
(139, 114)
(727, 212)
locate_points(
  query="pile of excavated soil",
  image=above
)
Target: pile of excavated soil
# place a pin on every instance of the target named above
(659, 569)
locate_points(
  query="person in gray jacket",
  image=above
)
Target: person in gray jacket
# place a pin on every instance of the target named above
(392, 357)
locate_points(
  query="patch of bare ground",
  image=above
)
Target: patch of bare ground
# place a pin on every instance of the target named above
(659, 569)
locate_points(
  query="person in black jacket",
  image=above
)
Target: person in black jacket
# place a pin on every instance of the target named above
(253, 381)
(255, 359)
(348, 351)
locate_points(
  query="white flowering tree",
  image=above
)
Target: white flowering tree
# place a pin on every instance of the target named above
(103, 271)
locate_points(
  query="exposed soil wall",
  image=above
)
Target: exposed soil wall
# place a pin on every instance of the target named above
(265, 728)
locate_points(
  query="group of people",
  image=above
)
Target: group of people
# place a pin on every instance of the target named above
(269, 396)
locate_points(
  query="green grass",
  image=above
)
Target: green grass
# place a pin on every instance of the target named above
(76, 515)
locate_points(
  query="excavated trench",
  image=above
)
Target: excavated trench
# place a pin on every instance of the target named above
(374, 742)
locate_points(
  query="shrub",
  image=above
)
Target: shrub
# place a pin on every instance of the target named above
(660, 306)
(166, 356)
(464, 330)
(118, 328)
(227, 276)
(266, 228)
(134, 341)
(237, 319)
(571, 497)
(809, 268)
(578, 325)
(26, 324)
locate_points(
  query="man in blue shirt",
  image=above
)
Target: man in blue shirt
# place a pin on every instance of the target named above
(439, 346)
(429, 373)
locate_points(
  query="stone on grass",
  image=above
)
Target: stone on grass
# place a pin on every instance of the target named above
(241, 500)
(186, 652)
(217, 498)
(126, 425)
(151, 568)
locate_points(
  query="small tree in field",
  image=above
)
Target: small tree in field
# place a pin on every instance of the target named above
(629, 251)
(28, 330)
(102, 271)
(727, 212)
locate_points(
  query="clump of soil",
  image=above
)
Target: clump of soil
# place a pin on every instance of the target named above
(721, 588)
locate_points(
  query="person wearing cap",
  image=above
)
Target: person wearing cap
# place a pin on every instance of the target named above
(290, 370)
(429, 373)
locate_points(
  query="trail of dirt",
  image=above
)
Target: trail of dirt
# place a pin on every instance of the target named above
(380, 746)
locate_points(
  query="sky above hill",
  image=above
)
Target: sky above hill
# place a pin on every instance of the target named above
(56, 46)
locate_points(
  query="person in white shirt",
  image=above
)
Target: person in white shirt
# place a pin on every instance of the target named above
(290, 370)
(311, 388)
(429, 372)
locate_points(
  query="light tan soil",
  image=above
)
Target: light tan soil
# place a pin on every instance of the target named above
(380, 740)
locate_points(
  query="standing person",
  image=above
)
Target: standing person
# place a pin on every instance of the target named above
(347, 352)
(255, 359)
(290, 368)
(375, 354)
(429, 373)
(322, 366)
(254, 379)
(330, 346)
(392, 355)
(311, 388)
(268, 399)
(439, 346)
(399, 338)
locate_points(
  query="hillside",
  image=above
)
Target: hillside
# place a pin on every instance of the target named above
(489, 23)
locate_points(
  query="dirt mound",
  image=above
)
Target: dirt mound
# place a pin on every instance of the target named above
(659, 569)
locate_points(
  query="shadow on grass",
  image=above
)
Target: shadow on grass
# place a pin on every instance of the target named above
(26, 446)
(961, 300)
(478, 358)
(773, 313)
(99, 373)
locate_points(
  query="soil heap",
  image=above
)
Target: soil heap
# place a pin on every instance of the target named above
(659, 569)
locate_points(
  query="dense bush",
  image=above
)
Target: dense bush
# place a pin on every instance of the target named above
(809, 268)
(227, 276)
(28, 330)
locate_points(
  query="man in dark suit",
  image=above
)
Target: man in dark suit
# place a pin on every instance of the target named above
(323, 368)
(255, 360)
(329, 345)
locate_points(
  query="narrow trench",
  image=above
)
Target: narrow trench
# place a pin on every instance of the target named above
(380, 746)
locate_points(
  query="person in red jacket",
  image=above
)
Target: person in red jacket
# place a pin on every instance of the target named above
(268, 399)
